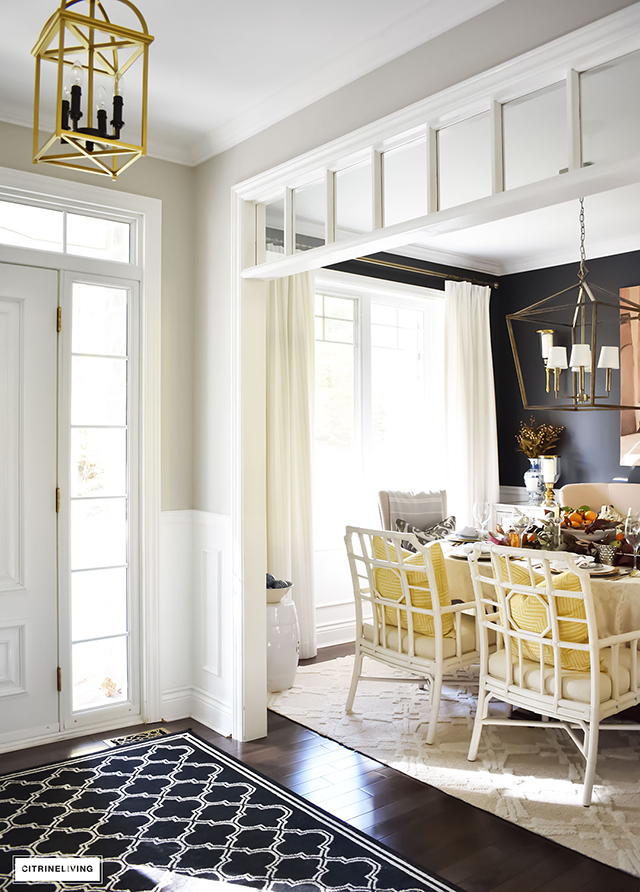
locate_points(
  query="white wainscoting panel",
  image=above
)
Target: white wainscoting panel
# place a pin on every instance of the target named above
(211, 606)
(12, 659)
(513, 495)
(195, 618)
(212, 643)
(10, 444)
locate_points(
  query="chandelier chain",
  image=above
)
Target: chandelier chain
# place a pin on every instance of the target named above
(582, 272)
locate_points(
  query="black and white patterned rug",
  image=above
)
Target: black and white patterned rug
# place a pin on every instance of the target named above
(176, 813)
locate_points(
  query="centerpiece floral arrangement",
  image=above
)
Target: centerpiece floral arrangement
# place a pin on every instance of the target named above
(580, 530)
(538, 439)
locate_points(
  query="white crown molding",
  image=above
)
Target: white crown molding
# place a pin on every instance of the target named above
(602, 248)
(592, 45)
(451, 258)
(525, 263)
(16, 121)
(174, 155)
(434, 18)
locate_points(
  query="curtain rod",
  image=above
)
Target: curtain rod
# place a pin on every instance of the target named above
(425, 272)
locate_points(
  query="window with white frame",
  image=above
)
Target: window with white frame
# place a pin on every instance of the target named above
(379, 410)
(51, 228)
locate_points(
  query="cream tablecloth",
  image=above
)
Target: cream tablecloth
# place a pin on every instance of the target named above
(617, 601)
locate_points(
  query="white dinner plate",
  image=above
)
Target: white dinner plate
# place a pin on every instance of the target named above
(602, 570)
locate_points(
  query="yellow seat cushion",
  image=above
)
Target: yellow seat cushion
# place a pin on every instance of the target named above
(530, 613)
(388, 585)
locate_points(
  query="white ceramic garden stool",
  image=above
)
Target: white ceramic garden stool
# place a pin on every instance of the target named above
(283, 643)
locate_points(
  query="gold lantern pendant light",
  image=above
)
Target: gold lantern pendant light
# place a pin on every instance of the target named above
(91, 54)
(575, 324)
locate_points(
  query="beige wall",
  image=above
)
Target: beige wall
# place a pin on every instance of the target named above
(503, 32)
(173, 184)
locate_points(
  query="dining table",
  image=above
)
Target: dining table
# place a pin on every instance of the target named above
(616, 598)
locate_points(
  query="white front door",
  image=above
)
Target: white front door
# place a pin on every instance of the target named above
(28, 519)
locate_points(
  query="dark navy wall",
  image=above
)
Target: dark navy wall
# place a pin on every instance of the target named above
(590, 448)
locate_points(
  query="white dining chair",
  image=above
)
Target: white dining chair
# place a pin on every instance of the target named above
(549, 658)
(404, 615)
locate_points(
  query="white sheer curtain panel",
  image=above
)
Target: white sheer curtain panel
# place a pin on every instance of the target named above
(470, 410)
(290, 389)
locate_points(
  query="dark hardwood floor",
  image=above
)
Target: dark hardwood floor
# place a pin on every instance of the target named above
(470, 847)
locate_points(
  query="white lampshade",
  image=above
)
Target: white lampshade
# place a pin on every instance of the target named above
(548, 467)
(546, 341)
(580, 356)
(609, 358)
(557, 358)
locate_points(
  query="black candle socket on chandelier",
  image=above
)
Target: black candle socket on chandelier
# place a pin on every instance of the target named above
(73, 111)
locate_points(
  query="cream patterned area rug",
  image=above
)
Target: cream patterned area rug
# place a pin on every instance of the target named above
(529, 776)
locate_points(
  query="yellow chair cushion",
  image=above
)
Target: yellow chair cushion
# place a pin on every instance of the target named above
(529, 613)
(388, 586)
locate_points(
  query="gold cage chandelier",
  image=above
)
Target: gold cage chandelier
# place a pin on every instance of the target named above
(583, 319)
(92, 54)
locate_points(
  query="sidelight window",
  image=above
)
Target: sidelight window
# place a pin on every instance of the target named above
(100, 537)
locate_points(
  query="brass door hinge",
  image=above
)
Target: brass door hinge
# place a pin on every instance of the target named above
(57, 500)
(59, 319)
(59, 679)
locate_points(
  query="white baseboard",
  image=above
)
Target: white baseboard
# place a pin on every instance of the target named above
(211, 712)
(176, 704)
(193, 702)
(329, 634)
(20, 740)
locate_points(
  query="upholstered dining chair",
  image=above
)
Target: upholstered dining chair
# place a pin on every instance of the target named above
(421, 509)
(621, 495)
(404, 615)
(549, 658)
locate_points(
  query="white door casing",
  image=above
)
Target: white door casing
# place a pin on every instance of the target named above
(28, 590)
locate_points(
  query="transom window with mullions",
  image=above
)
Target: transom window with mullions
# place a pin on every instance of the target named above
(65, 232)
(452, 152)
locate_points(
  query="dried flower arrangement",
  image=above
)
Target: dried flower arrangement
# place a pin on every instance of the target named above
(538, 439)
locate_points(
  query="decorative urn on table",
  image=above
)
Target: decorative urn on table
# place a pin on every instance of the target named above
(536, 441)
(533, 482)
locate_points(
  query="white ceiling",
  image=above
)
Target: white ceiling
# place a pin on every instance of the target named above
(220, 72)
(546, 237)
